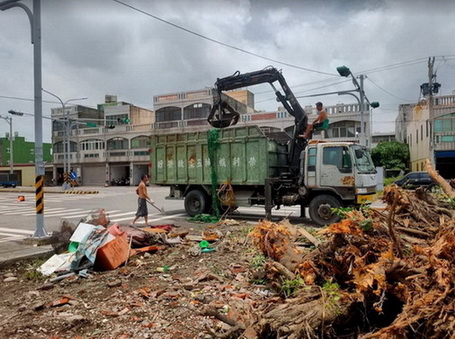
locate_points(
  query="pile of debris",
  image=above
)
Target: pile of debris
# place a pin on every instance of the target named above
(377, 275)
(96, 244)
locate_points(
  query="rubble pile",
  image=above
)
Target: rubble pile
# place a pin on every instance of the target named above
(375, 274)
(369, 278)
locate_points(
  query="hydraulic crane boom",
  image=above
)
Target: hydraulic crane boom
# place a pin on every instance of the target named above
(223, 115)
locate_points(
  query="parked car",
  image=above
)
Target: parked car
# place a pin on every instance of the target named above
(415, 179)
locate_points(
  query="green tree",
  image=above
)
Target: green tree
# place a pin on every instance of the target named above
(391, 155)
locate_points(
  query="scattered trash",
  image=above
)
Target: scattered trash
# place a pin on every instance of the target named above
(205, 218)
(20, 198)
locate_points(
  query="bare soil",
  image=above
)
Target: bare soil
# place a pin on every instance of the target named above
(137, 300)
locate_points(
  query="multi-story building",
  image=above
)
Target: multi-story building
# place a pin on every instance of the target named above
(428, 127)
(344, 122)
(107, 144)
(118, 146)
(23, 154)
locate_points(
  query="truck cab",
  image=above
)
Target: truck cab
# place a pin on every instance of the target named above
(335, 174)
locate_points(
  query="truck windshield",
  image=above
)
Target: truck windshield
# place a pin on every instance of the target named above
(363, 160)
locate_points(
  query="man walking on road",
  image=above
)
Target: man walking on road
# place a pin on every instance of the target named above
(142, 210)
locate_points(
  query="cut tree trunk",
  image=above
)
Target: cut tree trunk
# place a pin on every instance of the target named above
(438, 179)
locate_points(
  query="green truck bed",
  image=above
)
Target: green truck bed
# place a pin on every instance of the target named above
(242, 155)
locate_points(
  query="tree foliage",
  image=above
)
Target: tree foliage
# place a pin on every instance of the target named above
(391, 155)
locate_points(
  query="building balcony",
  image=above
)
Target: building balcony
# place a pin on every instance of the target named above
(444, 141)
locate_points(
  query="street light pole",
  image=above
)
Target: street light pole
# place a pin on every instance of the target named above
(35, 21)
(67, 127)
(345, 72)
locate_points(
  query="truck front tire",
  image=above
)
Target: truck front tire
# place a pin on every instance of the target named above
(196, 202)
(321, 209)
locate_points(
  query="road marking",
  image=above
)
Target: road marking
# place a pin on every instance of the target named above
(151, 217)
(9, 230)
(12, 239)
(119, 214)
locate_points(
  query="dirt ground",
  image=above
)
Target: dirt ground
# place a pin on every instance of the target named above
(138, 300)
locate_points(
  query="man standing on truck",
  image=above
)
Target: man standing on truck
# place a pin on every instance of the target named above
(142, 210)
(320, 123)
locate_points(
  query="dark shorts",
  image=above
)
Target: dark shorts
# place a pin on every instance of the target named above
(141, 208)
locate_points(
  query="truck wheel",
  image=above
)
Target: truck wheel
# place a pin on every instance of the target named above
(195, 203)
(321, 209)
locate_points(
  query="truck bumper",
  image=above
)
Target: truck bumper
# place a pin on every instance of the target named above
(366, 199)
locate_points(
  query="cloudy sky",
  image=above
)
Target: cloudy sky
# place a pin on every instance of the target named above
(136, 49)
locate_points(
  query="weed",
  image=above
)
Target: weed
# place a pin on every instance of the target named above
(258, 281)
(366, 225)
(332, 290)
(258, 261)
(290, 287)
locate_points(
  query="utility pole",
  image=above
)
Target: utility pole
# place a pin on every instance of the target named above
(362, 109)
(35, 22)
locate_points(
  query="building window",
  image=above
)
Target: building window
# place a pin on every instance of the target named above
(343, 129)
(171, 113)
(196, 111)
(117, 143)
(140, 142)
(447, 138)
(92, 145)
(117, 119)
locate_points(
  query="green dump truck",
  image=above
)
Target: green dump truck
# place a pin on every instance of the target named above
(248, 167)
(243, 166)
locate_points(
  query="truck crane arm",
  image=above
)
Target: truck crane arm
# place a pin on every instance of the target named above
(223, 115)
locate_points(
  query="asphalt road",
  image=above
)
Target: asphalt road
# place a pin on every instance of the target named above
(18, 219)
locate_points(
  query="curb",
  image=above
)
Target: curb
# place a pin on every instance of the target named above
(81, 192)
(12, 190)
(32, 252)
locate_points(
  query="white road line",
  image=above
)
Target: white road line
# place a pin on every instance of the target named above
(151, 219)
(12, 238)
(55, 213)
(119, 214)
(13, 230)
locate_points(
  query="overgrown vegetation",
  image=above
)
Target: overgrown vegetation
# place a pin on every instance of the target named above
(391, 155)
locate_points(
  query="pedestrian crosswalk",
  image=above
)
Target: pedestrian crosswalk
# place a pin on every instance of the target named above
(11, 234)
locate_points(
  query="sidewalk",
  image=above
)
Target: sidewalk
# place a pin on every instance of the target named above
(13, 251)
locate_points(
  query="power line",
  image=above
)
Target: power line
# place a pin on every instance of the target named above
(220, 42)
(25, 99)
(388, 91)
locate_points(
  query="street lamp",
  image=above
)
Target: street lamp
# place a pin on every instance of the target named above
(345, 72)
(68, 127)
(35, 23)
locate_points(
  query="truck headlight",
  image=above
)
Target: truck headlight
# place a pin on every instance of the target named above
(363, 190)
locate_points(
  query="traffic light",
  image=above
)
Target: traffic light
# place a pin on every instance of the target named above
(123, 120)
(91, 124)
(374, 104)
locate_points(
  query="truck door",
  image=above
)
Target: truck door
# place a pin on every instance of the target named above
(311, 167)
(336, 167)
